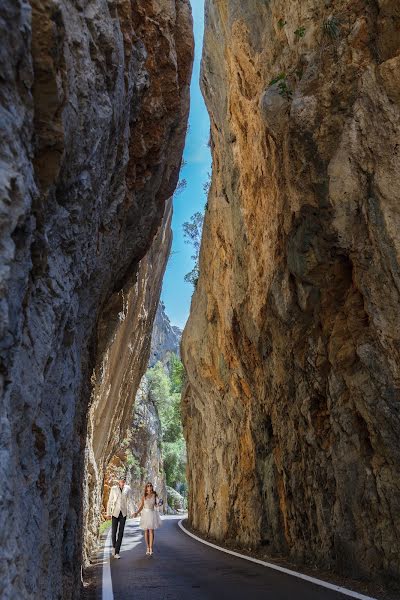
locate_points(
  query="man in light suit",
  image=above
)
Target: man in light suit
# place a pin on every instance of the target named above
(120, 502)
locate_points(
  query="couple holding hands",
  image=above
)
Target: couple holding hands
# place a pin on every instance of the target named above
(120, 499)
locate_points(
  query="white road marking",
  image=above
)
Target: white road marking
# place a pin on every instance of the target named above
(107, 589)
(319, 582)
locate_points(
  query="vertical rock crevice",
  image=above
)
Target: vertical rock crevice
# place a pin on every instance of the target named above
(291, 405)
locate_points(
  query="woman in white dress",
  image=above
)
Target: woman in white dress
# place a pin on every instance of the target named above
(150, 518)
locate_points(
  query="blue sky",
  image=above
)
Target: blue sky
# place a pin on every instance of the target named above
(177, 294)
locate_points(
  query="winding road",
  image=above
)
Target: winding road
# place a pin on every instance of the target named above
(185, 569)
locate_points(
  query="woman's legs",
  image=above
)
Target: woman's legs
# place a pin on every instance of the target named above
(151, 539)
(146, 537)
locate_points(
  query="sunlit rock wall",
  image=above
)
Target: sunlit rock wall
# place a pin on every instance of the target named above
(94, 102)
(291, 410)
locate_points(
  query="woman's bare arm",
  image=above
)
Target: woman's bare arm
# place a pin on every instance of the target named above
(139, 510)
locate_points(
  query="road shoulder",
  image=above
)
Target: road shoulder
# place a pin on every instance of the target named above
(375, 591)
(92, 574)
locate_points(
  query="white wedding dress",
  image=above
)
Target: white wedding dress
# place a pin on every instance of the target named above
(150, 517)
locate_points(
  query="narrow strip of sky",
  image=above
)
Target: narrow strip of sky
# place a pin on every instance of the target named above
(176, 294)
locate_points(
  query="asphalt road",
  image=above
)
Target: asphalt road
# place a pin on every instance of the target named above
(183, 569)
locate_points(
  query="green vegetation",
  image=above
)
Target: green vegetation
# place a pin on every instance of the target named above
(132, 464)
(283, 88)
(177, 373)
(281, 23)
(182, 183)
(165, 386)
(279, 77)
(104, 526)
(207, 184)
(192, 231)
(300, 32)
(175, 500)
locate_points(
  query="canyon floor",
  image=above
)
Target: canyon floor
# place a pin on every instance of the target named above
(184, 568)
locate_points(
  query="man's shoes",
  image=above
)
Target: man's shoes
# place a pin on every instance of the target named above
(117, 556)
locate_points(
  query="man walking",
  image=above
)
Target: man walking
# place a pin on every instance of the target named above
(119, 502)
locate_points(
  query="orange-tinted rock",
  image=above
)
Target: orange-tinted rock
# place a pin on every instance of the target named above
(291, 408)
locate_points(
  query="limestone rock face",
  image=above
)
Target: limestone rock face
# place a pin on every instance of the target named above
(140, 457)
(291, 410)
(94, 102)
(145, 446)
(129, 314)
(164, 338)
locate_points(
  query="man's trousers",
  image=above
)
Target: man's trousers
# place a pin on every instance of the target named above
(117, 523)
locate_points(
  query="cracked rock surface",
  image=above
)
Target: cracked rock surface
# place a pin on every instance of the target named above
(291, 408)
(94, 103)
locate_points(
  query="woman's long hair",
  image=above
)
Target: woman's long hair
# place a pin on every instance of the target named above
(153, 491)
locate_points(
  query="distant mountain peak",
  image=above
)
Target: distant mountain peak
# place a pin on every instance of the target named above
(165, 337)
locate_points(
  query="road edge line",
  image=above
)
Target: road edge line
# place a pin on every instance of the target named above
(308, 578)
(106, 580)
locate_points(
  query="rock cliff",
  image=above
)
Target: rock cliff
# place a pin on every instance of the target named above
(129, 314)
(164, 338)
(94, 103)
(139, 455)
(291, 410)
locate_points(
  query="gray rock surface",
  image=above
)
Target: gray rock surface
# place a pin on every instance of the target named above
(139, 457)
(117, 377)
(94, 102)
(176, 501)
(165, 337)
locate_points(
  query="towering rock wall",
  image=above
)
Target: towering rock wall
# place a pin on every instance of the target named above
(94, 102)
(126, 325)
(291, 410)
(139, 456)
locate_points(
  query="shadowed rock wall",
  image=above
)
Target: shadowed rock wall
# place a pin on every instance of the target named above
(130, 314)
(94, 102)
(139, 457)
(291, 410)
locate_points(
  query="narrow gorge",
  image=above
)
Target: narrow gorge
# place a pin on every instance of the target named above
(291, 407)
(282, 425)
